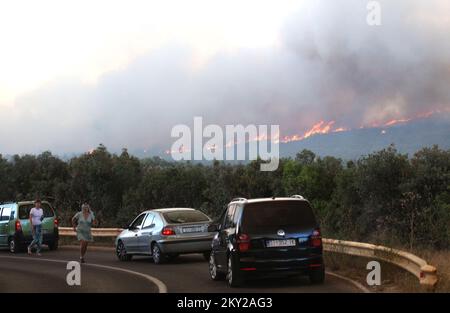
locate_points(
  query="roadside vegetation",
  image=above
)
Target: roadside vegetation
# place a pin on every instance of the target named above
(384, 198)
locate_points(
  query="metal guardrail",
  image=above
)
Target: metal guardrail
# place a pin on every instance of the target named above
(426, 273)
(96, 232)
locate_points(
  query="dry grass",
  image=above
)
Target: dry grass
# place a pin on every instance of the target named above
(441, 260)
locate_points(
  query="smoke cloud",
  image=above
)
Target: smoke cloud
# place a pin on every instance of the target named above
(329, 64)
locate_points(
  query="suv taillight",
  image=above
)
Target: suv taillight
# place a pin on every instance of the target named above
(18, 226)
(316, 238)
(243, 242)
(55, 222)
(167, 231)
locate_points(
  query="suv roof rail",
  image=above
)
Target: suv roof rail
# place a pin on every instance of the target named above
(238, 199)
(297, 197)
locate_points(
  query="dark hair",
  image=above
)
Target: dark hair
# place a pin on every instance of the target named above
(37, 201)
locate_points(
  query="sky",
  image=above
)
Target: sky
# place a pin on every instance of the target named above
(74, 74)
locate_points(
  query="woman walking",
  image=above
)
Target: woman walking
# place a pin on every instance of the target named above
(82, 222)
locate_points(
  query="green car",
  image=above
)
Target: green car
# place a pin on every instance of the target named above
(15, 229)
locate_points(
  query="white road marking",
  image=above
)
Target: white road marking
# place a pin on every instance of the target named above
(353, 282)
(162, 288)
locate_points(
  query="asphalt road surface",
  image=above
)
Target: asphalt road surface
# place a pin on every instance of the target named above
(102, 273)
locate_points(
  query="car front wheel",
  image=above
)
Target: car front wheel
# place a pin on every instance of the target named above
(121, 252)
(213, 272)
(234, 277)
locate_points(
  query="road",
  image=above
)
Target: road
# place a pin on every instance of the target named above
(102, 273)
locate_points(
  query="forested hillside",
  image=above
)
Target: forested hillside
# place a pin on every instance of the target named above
(384, 197)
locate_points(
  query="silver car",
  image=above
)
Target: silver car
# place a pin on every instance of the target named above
(164, 234)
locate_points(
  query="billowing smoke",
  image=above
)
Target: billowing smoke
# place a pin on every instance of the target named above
(329, 65)
(366, 74)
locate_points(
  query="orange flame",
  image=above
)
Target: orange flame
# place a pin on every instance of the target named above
(320, 127)
(340, 129)
(395, 122)
(323, 127)
(406, 119)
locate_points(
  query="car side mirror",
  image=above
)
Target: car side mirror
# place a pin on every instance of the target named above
(214, 228)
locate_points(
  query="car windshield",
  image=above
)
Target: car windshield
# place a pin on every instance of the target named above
(24, 210)
(272, 214)
(185, 216)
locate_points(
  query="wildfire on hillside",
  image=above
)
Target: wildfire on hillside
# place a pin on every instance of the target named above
(324, 127)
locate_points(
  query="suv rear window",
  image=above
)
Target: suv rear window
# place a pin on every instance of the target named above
(179, 217)
(24, 210)
(271, 214)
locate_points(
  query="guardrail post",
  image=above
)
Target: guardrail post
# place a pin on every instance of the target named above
(428, 277)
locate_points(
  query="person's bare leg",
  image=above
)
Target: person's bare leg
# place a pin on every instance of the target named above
(82, 250)
(85, 248)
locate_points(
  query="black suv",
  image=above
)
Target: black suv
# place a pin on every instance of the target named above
(266, 236)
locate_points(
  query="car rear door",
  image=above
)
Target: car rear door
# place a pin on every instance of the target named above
(24, 217)
(4, 225)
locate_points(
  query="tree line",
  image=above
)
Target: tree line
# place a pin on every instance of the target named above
(384, 197)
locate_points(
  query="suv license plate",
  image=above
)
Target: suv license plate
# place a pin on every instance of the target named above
(280, 243)
(191, 229)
